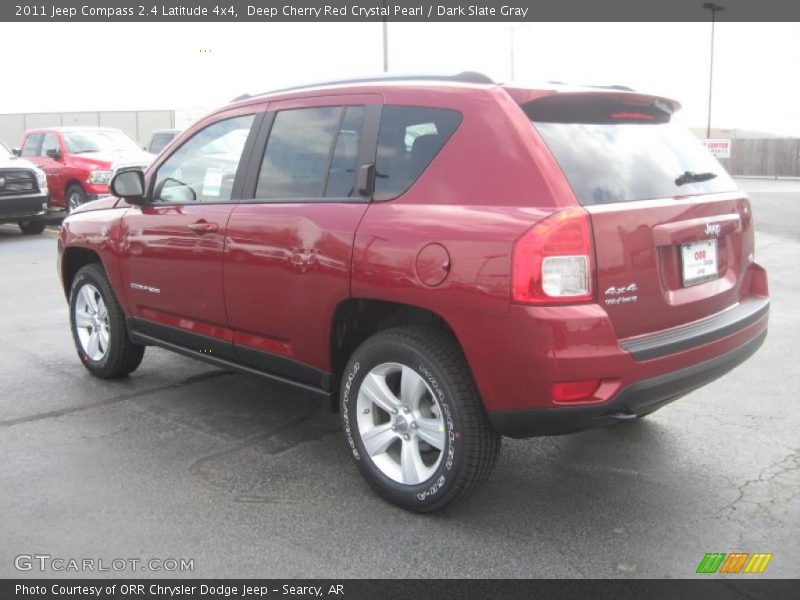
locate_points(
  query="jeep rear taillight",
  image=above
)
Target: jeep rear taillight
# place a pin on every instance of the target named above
(553, 262)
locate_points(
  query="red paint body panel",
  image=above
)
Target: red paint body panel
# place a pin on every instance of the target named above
(287, 267)
(97, 231)
(161, 252)
(638, 242)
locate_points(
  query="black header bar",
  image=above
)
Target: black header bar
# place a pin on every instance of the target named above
(395, 589)
(519, 11)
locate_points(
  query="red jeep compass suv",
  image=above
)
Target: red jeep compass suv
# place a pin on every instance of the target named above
(453, 259)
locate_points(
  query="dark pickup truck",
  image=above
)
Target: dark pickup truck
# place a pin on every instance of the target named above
(23, 193)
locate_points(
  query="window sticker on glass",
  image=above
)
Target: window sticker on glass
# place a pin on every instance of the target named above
(205, 166)
(212, 183)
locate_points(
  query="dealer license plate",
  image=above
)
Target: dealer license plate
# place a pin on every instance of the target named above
(699, 261)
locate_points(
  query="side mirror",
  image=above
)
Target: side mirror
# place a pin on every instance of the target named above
(128, 184)
(54, 153)
(173, 191)
(16, 152)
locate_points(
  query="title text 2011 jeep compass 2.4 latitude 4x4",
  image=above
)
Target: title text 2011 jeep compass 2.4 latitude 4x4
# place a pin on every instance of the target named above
(455, 260)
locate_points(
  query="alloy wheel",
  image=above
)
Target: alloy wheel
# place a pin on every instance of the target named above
(74, 201)
(400, 423)
(91, 322)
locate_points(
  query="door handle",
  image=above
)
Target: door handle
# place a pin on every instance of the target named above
(203, 227)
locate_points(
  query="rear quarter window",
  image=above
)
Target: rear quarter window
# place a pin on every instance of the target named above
(409, 138)
(620, 150)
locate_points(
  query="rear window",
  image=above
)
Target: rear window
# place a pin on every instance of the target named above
(620, 149)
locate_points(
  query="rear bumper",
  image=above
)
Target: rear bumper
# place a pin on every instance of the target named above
(718, 326)
(517, 358)
(22, 207)
(637, 399)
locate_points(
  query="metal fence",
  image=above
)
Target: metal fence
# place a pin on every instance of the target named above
(138, 123)
(778, 157)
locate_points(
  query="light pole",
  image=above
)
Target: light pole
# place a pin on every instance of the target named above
(714, 8)
(511, 53)
(385, 41)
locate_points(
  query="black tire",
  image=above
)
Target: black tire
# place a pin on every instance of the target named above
(121, 356)
(31, 227)
(74, 197)
(471, 445)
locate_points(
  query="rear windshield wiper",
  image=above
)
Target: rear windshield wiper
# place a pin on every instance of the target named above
(692, 177)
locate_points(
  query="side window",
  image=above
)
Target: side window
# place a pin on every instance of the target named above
(50, 142)
(32, 144)
(159, 142)
(298, 152)
(341, 181)
(408, 140)
(204, 168)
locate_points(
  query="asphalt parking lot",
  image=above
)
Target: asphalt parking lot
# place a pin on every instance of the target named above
(182, 460)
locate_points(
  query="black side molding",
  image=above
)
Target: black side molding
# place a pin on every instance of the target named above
(701, 332)
(276, 368)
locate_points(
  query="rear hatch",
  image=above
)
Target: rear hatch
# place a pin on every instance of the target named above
(672, 232)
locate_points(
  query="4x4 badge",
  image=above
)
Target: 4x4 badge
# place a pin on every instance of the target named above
(616, 291)
(617, 297)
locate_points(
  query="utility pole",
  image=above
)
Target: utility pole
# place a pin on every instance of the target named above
(511, 53)
(385, 40)
(714, 8)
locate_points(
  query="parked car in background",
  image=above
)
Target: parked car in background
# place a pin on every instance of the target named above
(79, 161)
(453, 259)
(23, 193)
(159, 140)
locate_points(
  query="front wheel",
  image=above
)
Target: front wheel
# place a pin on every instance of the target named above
(413, 419)
(31, 227)
(98, 326)
(75, 197)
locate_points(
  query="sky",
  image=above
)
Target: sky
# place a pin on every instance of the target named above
(196, 67)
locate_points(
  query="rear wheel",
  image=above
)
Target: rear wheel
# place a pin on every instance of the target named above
(98, 326)
(413, 419)
(75, 197)
(31, 227)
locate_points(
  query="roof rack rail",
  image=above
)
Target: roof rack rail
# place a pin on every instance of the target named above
(622, 88)
(463, 77)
